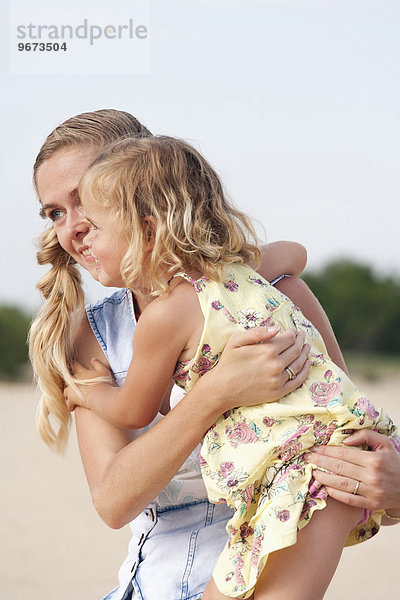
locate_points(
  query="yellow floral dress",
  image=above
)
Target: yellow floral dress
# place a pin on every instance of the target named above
(252, 457)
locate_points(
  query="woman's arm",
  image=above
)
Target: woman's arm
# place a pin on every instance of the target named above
(125, 475)
(301, 295)
(378, 470)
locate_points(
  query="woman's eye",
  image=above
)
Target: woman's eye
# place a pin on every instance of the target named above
(55, 214)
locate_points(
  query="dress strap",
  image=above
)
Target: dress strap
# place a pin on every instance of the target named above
(184, 276)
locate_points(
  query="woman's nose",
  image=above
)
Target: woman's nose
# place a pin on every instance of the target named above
(78, 223)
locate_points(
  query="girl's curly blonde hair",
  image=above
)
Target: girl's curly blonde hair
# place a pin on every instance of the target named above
(197, 229)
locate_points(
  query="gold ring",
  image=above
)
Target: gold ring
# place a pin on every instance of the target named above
(290, 372)
(356, 488)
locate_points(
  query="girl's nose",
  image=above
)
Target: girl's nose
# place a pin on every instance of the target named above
(87, 238)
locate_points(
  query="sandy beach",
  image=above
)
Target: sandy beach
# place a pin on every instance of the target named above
(54, 546)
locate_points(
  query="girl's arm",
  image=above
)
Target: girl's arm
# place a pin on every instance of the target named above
(129, 406)
(282, 258)
(161, 334)
(124, 476)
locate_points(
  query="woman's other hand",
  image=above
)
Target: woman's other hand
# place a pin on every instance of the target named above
(377, 470)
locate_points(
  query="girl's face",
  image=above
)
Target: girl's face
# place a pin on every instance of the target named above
(57, 181)
(104, 240)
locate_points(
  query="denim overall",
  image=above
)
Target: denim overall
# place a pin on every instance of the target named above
(179, 536)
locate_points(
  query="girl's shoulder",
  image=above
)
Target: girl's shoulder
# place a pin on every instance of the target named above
(168, 321)
(173, 307)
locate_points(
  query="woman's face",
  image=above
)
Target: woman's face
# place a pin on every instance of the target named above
(57, 182)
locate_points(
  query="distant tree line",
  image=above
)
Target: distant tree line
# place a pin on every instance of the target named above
(364, 310)
(14, 326)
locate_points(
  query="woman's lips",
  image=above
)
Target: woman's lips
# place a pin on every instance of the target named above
(87, 255)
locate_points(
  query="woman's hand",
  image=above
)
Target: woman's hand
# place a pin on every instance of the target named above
(377, 470)
(254, 367)
(78, 396)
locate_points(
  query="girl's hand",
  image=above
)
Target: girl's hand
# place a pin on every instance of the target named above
(377, 470)
(282, 258)
(252, 368)
(73, 398)
(78, 397)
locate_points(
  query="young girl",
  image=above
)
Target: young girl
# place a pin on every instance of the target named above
(162, 226)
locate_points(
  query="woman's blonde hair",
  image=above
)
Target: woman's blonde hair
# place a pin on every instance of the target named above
(51, 337)
(196, 227)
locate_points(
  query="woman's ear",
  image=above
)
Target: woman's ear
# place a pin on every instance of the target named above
(149, 228)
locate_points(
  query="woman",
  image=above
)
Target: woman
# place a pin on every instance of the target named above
(177, 534)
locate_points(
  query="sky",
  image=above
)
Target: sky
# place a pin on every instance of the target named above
(295, 103)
